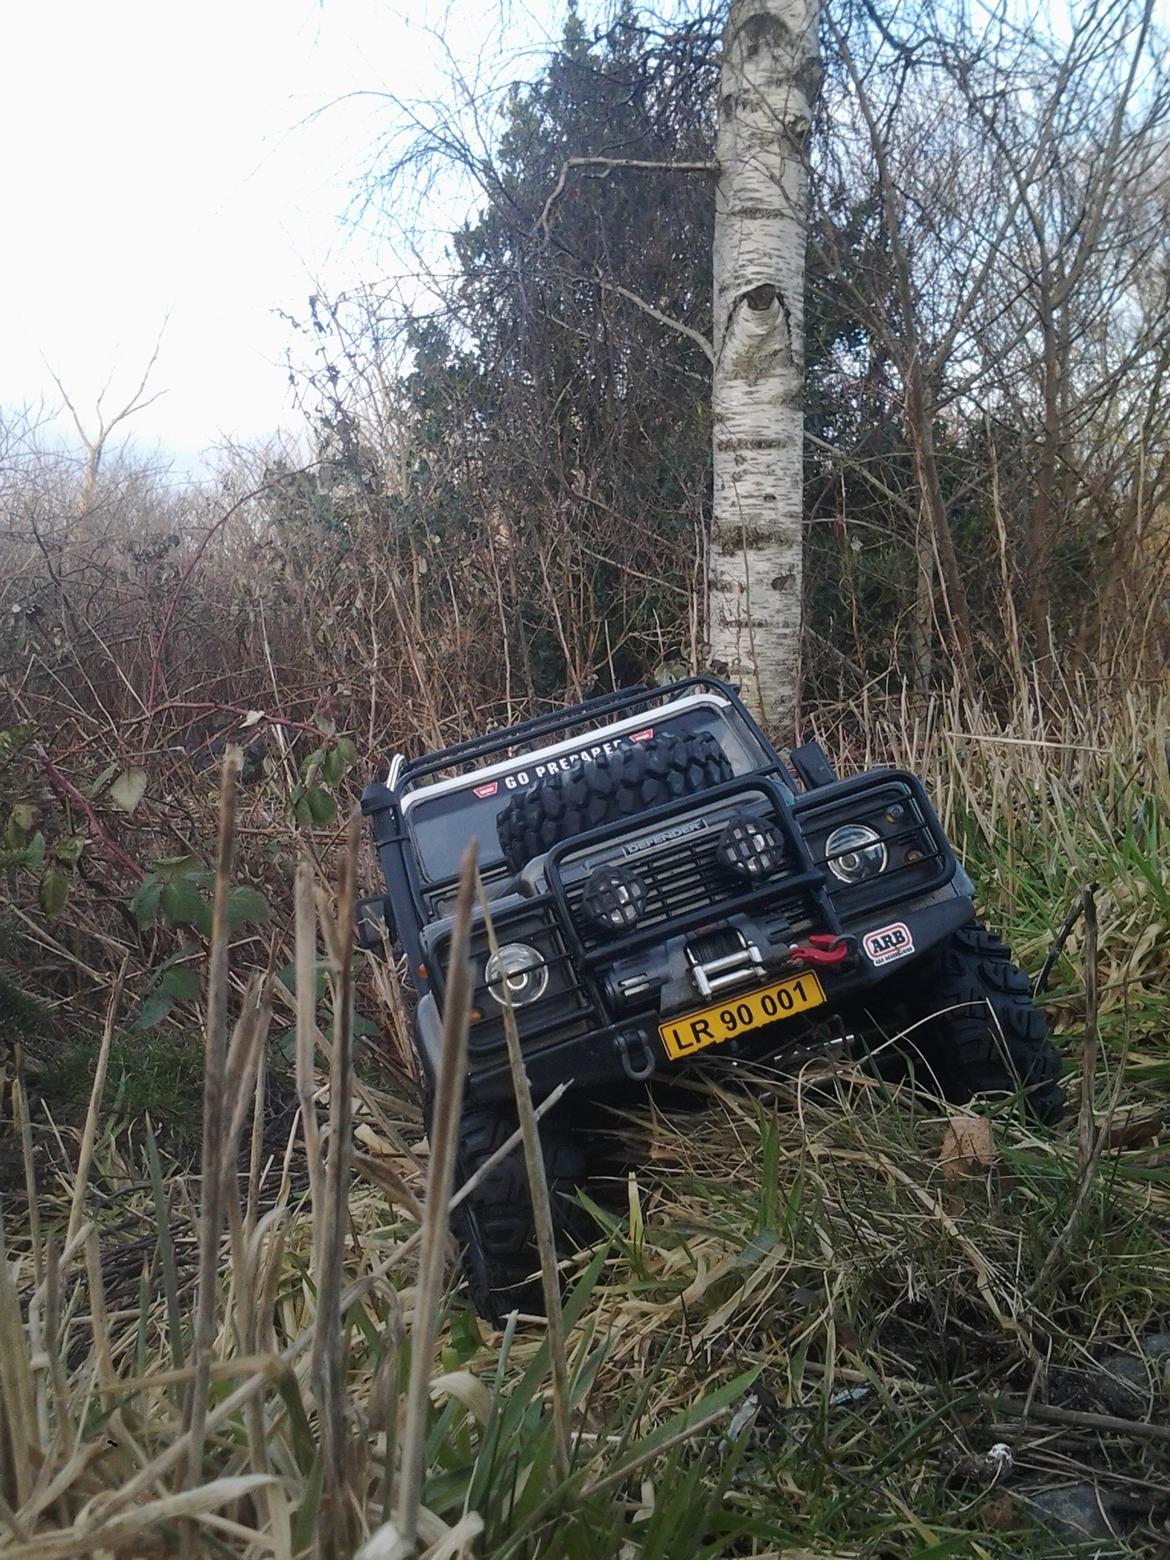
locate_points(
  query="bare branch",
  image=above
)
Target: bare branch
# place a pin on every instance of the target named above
(609, 163)
(656, 314)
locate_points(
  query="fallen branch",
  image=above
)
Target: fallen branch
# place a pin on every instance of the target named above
(1082, 1419)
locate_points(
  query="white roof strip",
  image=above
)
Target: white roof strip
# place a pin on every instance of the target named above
(617, 728)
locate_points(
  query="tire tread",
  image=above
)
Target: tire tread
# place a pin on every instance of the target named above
(606, 788)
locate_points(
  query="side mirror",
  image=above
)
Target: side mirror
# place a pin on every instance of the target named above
(373, 921)
(812, 767)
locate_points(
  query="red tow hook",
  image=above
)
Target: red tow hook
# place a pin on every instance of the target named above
(821, 948)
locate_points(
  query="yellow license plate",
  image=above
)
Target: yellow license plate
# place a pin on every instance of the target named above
(735, 1016)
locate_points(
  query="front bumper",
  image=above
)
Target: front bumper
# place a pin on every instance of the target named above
(627, 1049)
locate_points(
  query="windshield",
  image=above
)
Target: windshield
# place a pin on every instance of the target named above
(443, 823)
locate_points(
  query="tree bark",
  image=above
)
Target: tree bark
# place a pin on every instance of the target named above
(769, 83)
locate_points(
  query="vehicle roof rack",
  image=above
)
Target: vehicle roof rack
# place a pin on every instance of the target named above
(556, 720)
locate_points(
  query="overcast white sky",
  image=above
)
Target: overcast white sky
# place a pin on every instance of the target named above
(164, 162)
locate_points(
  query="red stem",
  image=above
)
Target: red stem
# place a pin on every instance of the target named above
(69, 791)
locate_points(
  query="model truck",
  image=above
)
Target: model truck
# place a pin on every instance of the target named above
(668, 890)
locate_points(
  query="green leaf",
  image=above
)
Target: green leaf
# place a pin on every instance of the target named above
(287, 976)
(154, 1009)
(246, 905)
(169, 867)
(12, 740)
(182, 904)
(54, 891)
(181, 982)
(321, 805)
(311, 764)
(144, 902)
(348, 751)
(20, 822)
(465, 1338)
(68, 848)
(103, 779)
(129, 789)
(332, 767)
(34, 851)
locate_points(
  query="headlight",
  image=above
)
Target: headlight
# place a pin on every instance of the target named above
(855, 853)
(613, 898)
(750, 846)
(521, 970)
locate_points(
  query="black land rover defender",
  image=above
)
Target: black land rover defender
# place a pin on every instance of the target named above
(665, 888)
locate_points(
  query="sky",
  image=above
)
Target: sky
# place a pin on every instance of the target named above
(189, 170)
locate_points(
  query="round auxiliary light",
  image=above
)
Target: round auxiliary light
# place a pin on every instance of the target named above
(750, 846)
(855, 853)
(613, 898)
(517, 971)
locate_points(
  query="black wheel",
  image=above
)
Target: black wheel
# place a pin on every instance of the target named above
(974, 1028)
(494, 1225)
(610, 786)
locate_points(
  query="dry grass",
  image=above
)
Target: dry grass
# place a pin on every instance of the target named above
(811, 1325)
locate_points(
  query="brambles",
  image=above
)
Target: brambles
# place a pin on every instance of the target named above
(313, 799)
(24, 851)
(178, 889)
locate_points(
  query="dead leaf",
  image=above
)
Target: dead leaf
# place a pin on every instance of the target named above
(967, 1146)
(128, 789)
(374, 1143)
(998, 1512)
(1135, 1131)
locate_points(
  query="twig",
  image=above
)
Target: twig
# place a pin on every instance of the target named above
(89, 1132)
(448, 1110)
(1089, 1054)
(541, 1206)
(657, 314)
(1076, 910)
(328, 1342)
(211, 1183)
(306, 1030)
(1092, 1141)
(1083, 1419)
(196, 557)
(638, 164)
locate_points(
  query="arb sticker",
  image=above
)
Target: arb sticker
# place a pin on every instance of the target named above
(487, 790)
(889, 942)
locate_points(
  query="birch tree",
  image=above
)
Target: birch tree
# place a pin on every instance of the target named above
(769, 83)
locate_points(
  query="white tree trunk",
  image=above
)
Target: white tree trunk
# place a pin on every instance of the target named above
(769, 82)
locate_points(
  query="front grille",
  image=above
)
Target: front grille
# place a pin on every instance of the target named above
(685, 877)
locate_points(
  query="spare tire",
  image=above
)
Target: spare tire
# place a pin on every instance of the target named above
(604, 789)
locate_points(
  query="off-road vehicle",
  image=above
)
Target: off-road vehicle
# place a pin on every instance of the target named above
(667, 889)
